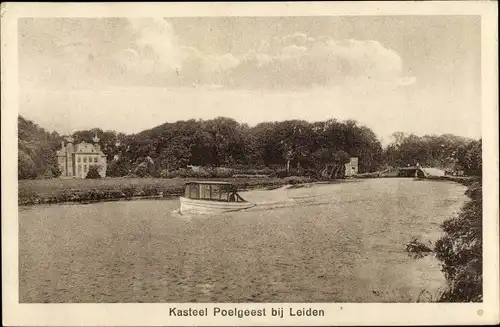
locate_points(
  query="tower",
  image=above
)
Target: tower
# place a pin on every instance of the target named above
(96, 140)
(70, 156)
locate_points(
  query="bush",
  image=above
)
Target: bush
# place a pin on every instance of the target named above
(93, 172)
(164, 173)
(293, 180)
(48, 174)
(117, 169)
(56, 172)
(460, 251)
(282, 173)
(417, 249)
(26, 168)
(141, 171)
(129, 191)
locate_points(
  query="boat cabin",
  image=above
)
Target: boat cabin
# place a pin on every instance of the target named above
(212, 191)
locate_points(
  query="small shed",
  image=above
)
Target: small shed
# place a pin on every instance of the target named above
(352, 167)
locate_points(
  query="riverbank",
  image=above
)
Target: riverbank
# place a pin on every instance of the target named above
(465, 180)
(51, 191)
(459, 250)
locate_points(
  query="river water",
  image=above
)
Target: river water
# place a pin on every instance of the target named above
(341, 242)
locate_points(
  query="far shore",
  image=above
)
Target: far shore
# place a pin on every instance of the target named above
(81, 191)
(58, 191)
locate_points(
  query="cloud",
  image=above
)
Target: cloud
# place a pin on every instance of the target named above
(156, 52)
(298, 39)
(317, 62)
(406, 81)
(292, 52)
(293, 61)
(147, 52)
(155, 49)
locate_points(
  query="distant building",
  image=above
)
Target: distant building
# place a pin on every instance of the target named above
(351, 168)
(75, 160)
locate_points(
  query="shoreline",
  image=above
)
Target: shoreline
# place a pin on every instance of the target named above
(46, 192)
(157, 188)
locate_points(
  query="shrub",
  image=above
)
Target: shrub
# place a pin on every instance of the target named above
(117, 169)
(282, 173)
(164, 173)
(460, 251)
(417, 249)
(93, 172)
(26, 168)
(141, 171)
(151, 190)
(129, 191)
(293, 180)
(48, 174)
(56, 172)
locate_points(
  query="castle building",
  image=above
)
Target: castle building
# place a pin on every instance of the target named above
(74, 160)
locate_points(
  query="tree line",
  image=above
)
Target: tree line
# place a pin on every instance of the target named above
(293, 146)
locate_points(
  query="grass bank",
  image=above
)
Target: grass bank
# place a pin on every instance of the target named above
(50, 191)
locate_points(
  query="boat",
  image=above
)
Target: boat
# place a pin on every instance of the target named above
(212, 197)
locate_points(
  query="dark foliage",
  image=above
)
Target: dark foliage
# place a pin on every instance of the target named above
(93, 172)
(286, 148)
(37, 151)
(446, 151)
(460, 251)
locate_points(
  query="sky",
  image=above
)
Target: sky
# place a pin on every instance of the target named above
(414, 74)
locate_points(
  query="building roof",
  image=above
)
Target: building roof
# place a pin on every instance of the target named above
(85, 147)
(210, 182)
(81, 148)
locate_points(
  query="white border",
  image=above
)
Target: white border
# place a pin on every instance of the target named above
(336, 314)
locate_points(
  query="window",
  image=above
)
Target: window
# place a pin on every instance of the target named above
(79, 159)
(79, 167)
(84, 169)
(205, 192)
(84, 159)
(193, 193)
(95, 159)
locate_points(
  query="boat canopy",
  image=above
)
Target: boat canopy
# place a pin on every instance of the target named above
(214, 191)
(209, 182)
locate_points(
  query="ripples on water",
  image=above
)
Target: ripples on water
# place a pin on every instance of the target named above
(325, 243)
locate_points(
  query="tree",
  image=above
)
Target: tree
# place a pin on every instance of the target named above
(26, 168)
(291, 144)
(37, 149)
(428, 150)
(330, 162)
(118, 168)
(473, 161)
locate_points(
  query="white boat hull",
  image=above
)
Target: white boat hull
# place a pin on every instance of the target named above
(205, 206)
